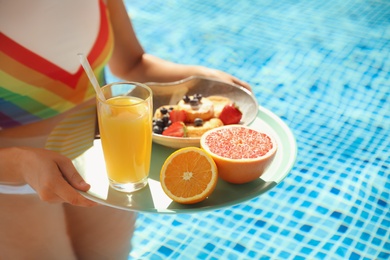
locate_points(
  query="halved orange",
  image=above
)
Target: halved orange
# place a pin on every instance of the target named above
(189, 175)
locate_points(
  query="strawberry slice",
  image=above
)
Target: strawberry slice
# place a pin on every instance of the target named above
(230, 115)
(177, 116)
(176, 129)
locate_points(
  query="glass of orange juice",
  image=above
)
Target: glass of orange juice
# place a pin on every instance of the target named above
(125, 125)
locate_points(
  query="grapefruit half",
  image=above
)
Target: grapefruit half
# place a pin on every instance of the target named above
(241, 153)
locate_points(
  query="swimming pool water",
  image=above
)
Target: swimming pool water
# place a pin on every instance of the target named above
(324, 68)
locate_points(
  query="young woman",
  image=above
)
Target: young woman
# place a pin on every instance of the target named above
(47, 119)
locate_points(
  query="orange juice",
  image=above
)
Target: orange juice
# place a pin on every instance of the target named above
(126, 135)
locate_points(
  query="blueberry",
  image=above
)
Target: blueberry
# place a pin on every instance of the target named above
(165, 119)
(157, 130)
(198, 122)
(186, 99)
(194, 103)
(164, 110)
(159, 122)
(198, 96)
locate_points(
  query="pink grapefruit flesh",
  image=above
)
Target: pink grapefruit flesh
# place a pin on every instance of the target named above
(241, 153)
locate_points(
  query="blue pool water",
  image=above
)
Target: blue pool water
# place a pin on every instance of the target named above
(324, 68)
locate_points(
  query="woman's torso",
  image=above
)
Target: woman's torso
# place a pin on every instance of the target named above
(42, 83)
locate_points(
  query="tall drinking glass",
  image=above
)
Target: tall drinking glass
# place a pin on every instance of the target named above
(125, 124)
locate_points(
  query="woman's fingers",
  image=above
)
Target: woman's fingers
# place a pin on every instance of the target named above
(242, 83)
(71, 175)
(221, 75)
(55, 188)
(69, 180)
(68, 194)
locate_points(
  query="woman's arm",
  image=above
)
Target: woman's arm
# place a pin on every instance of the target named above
(129, 61)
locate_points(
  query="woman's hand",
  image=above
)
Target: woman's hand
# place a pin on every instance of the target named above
(52, 175)
(220, 75)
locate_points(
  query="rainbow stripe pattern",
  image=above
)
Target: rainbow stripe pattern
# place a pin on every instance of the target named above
(33, 89)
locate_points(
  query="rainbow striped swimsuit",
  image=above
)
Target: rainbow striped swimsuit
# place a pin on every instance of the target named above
(32, 88)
